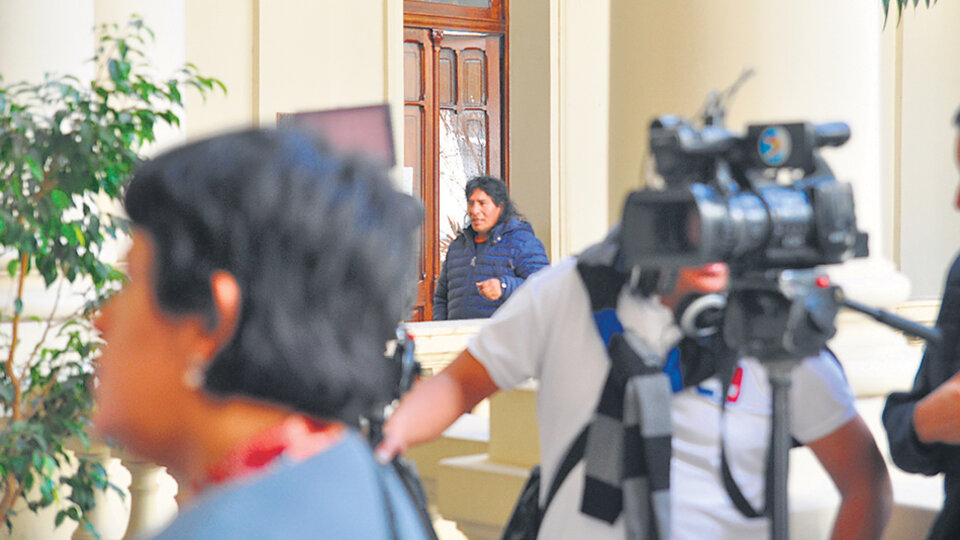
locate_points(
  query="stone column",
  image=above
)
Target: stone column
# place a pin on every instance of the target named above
(581, 88)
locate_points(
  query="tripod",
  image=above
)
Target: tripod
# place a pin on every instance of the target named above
(781, 317)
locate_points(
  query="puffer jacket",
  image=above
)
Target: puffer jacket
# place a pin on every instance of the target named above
(511, 253)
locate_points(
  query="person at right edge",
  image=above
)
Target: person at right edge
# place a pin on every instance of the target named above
(923, 425)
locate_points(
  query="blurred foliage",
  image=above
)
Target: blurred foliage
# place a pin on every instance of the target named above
(67, 148)
(900, 5)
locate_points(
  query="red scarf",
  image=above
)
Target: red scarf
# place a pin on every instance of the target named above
(297, 437)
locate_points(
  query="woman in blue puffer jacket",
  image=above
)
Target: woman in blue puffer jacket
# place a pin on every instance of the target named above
(490, 258)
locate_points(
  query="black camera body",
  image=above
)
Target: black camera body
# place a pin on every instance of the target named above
(762, 200)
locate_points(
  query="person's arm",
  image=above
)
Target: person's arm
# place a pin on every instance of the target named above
(435, 403)
(851, 458)
(917, 422)
(936, 418)
(440, 296)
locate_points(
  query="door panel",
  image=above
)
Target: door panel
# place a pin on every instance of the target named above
(418, 136)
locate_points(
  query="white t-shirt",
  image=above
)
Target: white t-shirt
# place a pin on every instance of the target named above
(546, 331)
(820, 402)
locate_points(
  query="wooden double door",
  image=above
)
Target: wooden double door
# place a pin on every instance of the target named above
(453, 130)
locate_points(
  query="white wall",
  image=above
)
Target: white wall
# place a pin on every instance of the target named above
(32, 43)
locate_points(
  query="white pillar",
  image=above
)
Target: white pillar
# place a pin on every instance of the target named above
(581, 89)
(34, 42)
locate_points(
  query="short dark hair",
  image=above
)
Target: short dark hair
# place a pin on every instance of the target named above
(320, 244)
(497, 190)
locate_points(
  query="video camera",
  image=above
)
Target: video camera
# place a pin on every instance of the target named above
(762, 200)
(767, 204)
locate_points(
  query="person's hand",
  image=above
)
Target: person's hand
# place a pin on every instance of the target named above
(936, 418)
(390, 447)
(490, 289)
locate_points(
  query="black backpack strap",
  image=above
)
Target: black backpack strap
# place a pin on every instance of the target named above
(573, 456)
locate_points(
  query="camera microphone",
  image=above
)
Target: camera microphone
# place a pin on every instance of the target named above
(699, 316)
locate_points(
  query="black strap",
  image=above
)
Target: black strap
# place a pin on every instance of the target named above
(733, 490)
(574, 455)
(407, 472)
(388, 505)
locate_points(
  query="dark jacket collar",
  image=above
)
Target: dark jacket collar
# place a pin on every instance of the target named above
(498, 230)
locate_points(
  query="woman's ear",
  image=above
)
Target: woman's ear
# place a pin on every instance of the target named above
(227, 301)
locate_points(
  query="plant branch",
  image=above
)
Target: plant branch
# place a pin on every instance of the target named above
(46, 329)
(8, 365)
(12, 486)
(12, 490)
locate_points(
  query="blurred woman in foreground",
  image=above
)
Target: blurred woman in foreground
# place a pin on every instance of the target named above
(266, 274)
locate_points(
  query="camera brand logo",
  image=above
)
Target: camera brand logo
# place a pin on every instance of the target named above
(774, 145)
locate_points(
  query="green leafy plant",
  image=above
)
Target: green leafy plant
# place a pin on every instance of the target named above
(901, 4)
(67, 147)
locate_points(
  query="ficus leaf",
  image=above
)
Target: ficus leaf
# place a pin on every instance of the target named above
(33, 166)
(60, 199)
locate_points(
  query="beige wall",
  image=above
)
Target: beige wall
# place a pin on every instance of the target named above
(583, 110)
(816, 60)
(925, 185)
(220, 42)
(294, 55)
(319, 54)
(533, 161)
(581, 103)
(559, 133)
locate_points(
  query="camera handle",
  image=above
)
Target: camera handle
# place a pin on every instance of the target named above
(930, 335)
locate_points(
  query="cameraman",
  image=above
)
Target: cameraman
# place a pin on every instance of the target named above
(547, 331)
(923, 425)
